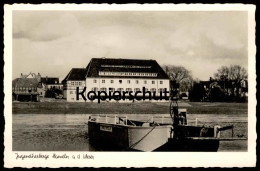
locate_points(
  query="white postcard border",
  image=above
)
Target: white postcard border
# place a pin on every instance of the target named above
(133, 159)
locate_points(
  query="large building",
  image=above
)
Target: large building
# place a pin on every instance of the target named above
(51, 82)
(109, 75)
(29, 87)
(26, 89)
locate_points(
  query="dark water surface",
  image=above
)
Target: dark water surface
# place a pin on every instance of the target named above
(68, 132)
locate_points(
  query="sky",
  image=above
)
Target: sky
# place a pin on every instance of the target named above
(53, 42)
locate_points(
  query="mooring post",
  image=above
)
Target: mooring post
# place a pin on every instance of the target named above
(162, 119)
(232, 131)
(126, 120)
(196, 122)
(152, 119)
(216, 131)
(106, 118)
(115, 119)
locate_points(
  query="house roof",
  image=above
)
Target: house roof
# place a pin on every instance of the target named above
(25, 82)
(124, 65)
(31, 75)
(50, 80)
(76, 74)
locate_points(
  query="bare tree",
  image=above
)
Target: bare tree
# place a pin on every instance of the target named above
(180, 75)
(231, 77)
(222, 74)
(233, 72)
(238, 73)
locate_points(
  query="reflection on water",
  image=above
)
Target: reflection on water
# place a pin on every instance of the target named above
(68, 132)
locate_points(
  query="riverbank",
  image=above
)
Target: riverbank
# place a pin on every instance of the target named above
(69, 132)
(126, 108)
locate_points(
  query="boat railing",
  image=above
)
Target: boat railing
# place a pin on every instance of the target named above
(115, 119)
(202, 121)
(124, 120)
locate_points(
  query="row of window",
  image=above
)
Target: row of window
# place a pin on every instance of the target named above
(127, 74)
(95, 89)
(126, 66)
(24, 88)
(76, 83)
(57, 87)
(128, 81)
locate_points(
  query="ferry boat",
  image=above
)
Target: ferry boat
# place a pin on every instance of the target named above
(126, 134)
(123, 134)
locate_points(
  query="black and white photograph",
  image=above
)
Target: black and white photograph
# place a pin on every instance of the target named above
(128, 80)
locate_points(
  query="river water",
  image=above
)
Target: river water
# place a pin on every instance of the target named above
(68, 132)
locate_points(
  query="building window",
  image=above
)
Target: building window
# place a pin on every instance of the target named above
(153, 90)
(120, 81)
(103, 81)
(145, 82)
(120, 89)
(136, 81)
(128, 89)
(95, 89)
(103, 89)
(94, 81)
(137, 89)
(112, 89)
(80, 83)
(112, 81)
(153, 82)
(72, 83)
(71, 92)
(160, 90)
(161, 82)
(128, 81)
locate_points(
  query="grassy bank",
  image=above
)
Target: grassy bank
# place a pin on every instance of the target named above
(125, 108)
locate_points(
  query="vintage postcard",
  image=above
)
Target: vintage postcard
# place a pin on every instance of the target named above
(153, 85)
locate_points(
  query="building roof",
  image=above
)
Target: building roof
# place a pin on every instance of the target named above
(25, 82)
(26, 93)
(124, 65)
(76, 74)
(50, 80)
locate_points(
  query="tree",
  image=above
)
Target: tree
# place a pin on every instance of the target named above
(180, 75)
(233, 72)
(52, 92)
(217, 94)
(231, 78)
(197, 93)
(238, 73)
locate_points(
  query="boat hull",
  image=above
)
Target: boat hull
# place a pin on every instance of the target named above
(190, 144)
(125, 137)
